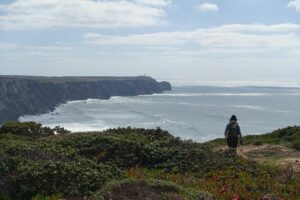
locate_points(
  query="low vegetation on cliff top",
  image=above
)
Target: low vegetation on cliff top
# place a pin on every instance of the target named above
(37, 162)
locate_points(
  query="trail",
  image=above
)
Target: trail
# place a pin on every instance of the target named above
(273, 154)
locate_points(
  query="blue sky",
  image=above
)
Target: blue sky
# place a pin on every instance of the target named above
(167, 39)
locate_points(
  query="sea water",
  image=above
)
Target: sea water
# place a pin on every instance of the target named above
(199, 113)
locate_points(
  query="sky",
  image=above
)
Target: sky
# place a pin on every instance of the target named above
(166, 39)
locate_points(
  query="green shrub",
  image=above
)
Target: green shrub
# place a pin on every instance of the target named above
(68, 178)
(52, 197)
(296, 144)
(31, 129)
(257, 143)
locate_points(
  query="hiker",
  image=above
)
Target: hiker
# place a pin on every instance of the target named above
(233, 133)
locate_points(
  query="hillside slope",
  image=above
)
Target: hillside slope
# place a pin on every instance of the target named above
(280, 147)
(135, 164)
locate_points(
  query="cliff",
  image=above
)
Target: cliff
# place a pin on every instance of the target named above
(26, 95)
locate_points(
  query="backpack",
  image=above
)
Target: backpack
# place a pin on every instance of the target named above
(233, 130)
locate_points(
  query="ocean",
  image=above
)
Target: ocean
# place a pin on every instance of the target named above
(199, 113)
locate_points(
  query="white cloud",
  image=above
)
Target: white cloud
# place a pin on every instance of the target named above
(45, 14)
(294, 4)
(256, 28)
(206, 7)
(154, 2)
(4, 45)
(9, 49)
(230, 38)
(55, 48)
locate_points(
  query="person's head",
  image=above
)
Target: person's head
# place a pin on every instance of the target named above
(233, 118)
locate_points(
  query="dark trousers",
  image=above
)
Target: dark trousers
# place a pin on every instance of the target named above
(232, 142)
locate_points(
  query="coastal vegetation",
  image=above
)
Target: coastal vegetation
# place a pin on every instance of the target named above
(288, 137)
(42, 163)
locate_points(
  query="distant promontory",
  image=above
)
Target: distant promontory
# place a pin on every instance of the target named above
(31, 95)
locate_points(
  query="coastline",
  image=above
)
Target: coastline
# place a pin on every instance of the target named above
(22, 95)
(197, 113)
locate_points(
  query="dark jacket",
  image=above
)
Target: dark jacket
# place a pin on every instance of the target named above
(231, 124)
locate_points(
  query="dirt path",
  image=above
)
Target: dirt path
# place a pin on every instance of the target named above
(275, 154)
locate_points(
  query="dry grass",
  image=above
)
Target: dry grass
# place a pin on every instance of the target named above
(273, 154)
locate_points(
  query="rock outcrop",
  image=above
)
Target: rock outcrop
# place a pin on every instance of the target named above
(25, 95)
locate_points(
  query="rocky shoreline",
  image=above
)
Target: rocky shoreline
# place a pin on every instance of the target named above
(30, 95)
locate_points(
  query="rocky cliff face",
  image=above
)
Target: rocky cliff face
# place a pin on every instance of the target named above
(20, 95)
